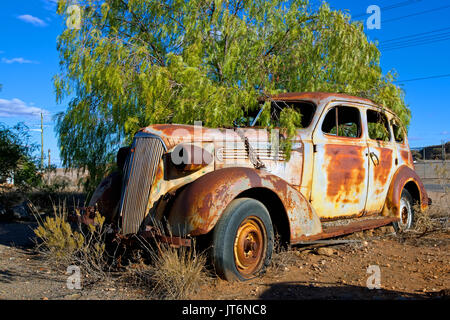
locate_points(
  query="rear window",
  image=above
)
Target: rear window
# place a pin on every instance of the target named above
(378, 126)
(399, 134)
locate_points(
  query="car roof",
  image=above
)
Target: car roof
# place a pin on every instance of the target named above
(325, 97)
(319, 97)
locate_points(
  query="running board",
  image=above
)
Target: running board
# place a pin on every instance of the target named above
(335, 231)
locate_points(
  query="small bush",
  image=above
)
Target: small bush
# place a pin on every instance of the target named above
(62, 246)
(57, 239)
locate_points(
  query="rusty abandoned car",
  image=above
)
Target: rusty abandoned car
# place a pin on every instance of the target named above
(237, 188)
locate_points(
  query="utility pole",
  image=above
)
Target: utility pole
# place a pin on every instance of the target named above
(42, 141)
(49, 159)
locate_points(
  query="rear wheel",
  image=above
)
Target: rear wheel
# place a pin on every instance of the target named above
(242, 240)
(406, 212)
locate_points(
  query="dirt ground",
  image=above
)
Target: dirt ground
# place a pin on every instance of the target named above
(410, 268)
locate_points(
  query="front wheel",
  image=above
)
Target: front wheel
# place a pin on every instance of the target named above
(406, 213)
(242, 240)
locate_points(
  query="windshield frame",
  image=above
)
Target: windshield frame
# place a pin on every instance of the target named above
(285, 102)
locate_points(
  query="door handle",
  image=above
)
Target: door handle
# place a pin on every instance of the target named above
(372, 156)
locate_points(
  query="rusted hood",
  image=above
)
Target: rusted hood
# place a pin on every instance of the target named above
(173, 134)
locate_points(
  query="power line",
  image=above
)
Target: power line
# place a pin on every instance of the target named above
(401, 46)
(424, 78)
(416, 39)
(415, 35)
(416, 14)
(416, 42)
(393, 6)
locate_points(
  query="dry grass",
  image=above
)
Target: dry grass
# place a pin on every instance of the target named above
(173, 272)
(283, 256)
(436, 217)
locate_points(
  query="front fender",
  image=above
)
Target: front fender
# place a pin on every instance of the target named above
(200, 204)
(403, 176)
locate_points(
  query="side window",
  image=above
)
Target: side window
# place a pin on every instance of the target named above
(378, 126)
(399, 134)
(342, 121)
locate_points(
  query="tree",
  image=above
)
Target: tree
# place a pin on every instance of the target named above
(16, 157)
(138, 62)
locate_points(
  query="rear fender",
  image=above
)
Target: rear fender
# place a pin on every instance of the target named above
(199, 205)
(401, 178)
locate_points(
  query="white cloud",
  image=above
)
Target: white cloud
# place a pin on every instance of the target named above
(33, 20)
(18, 108)
(17, 60)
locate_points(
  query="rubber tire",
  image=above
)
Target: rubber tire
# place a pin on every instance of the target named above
(224, 236)
(406, 196)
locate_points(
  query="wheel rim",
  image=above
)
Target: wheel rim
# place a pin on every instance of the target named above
(405, 214)
(250, 246)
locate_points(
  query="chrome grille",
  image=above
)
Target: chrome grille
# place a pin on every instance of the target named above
(140, 170)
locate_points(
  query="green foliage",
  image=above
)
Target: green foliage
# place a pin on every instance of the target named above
(138, 62)
(378, 131)
(16, 158)
(289, 120)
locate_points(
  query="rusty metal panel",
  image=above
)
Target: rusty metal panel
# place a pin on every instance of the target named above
(381, 168)
(234, 154)
(198, 207)
(359, 225)
(145, 156)
(107, 195)
(403, 175)
(339, 185)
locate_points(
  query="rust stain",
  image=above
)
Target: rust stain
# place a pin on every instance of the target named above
(406, 157)
(346, 173)
(381, 171)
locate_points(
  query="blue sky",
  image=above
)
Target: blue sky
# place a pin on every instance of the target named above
(29, 59)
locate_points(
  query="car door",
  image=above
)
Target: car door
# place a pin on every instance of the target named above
(382, 158)
(340, 173)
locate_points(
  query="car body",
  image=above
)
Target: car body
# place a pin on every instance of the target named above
(349, 169)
